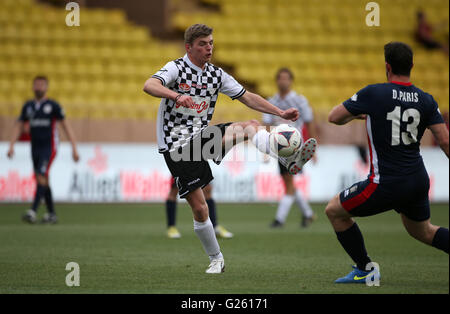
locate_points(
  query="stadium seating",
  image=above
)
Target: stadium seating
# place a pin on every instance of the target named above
(326, 43)
(96, 70)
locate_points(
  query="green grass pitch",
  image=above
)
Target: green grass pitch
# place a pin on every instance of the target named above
(123, 248)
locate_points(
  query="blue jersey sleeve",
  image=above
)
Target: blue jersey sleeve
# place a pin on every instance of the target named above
(359, 103)
(23, 114)
(434, 115)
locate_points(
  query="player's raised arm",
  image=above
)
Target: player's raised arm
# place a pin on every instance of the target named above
(440, 133)
(258, 103)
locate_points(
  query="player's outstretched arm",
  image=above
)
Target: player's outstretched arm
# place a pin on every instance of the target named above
(440, 133)
(18, 126)
(258, 103)
(69, 133)
(340, 115)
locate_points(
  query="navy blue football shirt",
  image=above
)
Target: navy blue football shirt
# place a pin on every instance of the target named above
(397, 116)
(42, 117)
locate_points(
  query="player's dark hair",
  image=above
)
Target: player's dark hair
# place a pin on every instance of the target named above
(40, 77)
(284, 70)
(400, 57)
(196, 31)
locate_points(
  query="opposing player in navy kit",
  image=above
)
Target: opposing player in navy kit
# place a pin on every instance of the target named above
(397, 114)
(42, 114)
(189, 88)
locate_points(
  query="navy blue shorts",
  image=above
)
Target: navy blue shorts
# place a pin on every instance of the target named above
(42, 159)
(407, 195)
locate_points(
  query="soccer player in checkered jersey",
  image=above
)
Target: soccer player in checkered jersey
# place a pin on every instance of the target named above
(189, 87)
(42, 114)
(397, 114)
(287, 98)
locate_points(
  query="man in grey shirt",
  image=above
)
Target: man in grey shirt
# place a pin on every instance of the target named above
(287, 98)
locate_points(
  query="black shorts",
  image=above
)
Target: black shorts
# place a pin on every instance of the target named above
(42, 159)
(194, 172)
(283, 169)
(407, 195)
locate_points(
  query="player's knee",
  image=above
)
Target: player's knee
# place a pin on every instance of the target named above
(329, 211)
(252, 128)
(41, 180)
(332, 209)
(255, 123)
(200, 212)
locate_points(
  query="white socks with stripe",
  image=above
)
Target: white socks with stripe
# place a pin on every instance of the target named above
(205, 232)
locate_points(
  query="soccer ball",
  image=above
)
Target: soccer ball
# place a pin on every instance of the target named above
(285, 140)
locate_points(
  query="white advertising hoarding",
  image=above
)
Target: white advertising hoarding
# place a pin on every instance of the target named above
(137, 173)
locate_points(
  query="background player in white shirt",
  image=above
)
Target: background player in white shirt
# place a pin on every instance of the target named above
(287, 98)
(189, 87)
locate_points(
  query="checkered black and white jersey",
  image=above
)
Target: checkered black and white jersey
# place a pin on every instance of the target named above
(176, 124)
(291, 100)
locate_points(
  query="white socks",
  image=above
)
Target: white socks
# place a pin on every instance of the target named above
(303, 205)
(286, 203)
(284, 207)
(205, 232)
(261, 141)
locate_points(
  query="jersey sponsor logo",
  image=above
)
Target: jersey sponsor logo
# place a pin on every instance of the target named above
(198, 109)
(47, 109)
(184, 87)
(194, 85)
(40, 122)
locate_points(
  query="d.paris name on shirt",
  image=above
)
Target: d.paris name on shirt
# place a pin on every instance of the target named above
(405, 96)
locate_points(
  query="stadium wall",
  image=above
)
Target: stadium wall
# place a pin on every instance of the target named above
(123, 172)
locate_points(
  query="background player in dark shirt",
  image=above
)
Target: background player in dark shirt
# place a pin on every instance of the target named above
(397, 114)
(42, 114)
